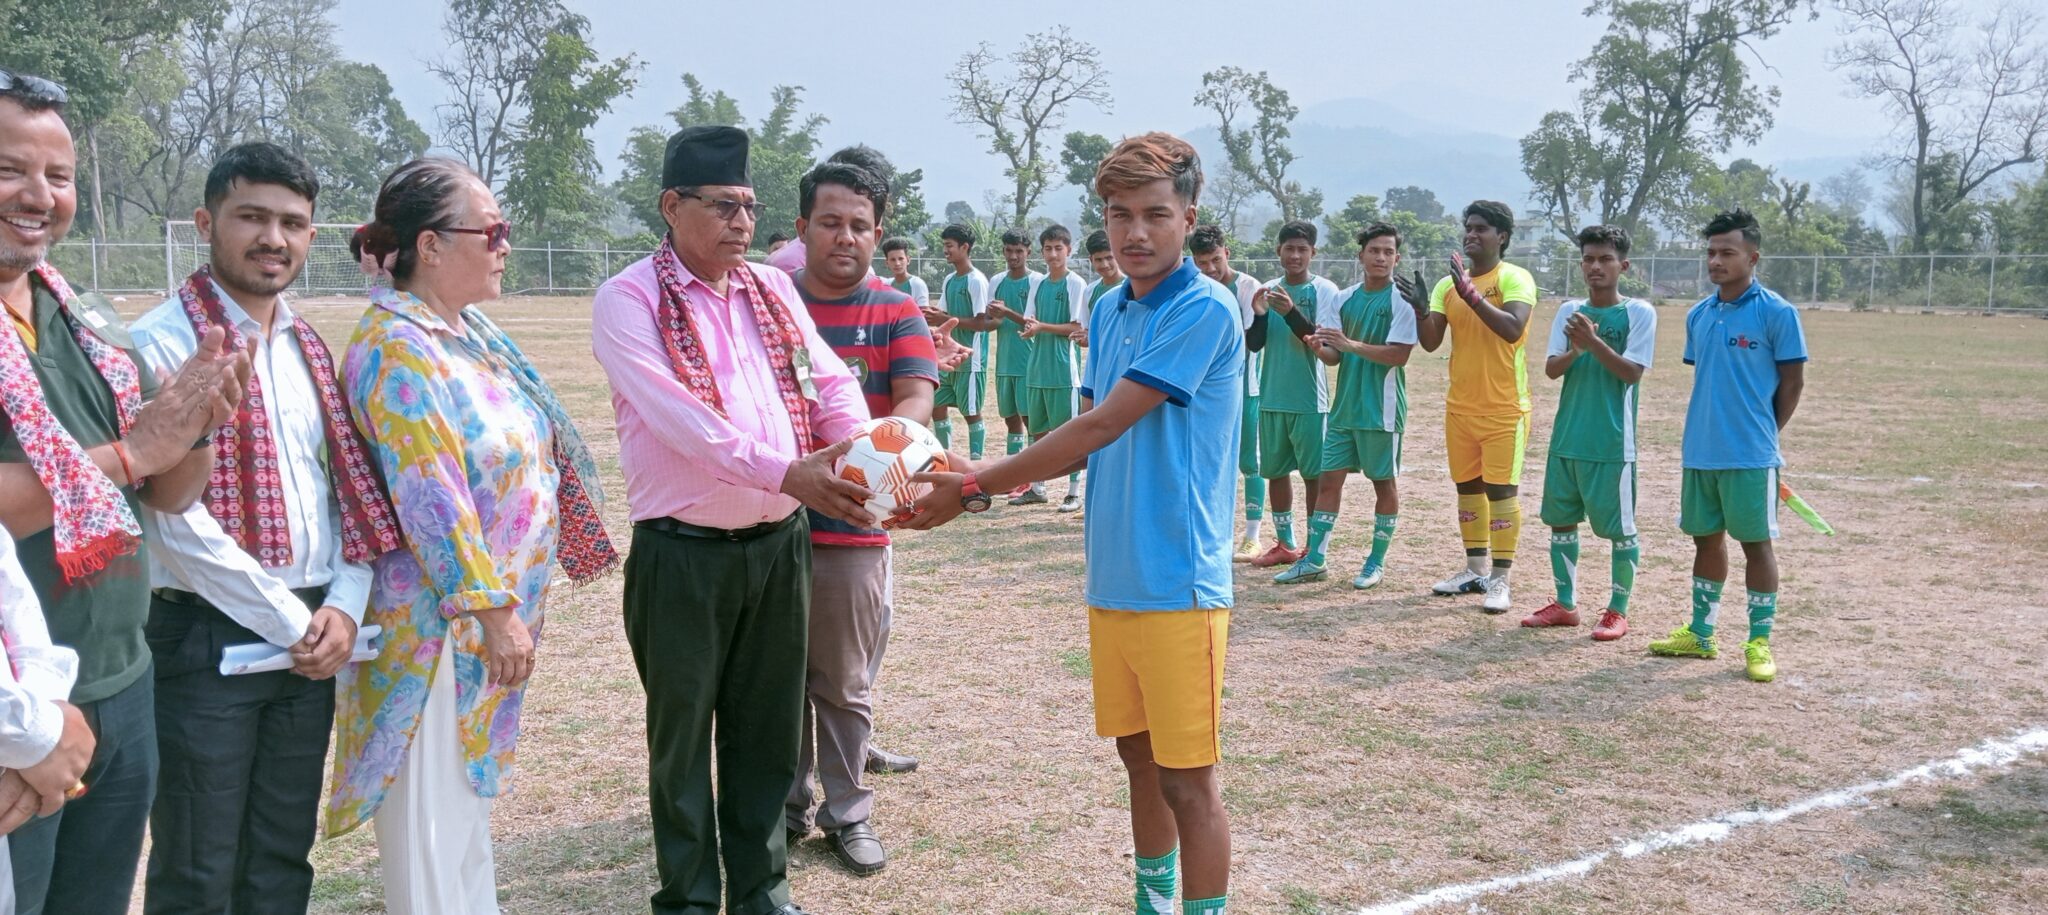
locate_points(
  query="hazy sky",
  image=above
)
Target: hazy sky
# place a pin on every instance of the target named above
(1496, 65)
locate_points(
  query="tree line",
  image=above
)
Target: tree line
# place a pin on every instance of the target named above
(1670, 87)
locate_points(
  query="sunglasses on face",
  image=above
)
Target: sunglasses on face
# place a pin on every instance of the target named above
(33, 86)
(495, 234)
(729, 210)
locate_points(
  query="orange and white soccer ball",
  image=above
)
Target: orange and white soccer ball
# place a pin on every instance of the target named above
(886, 453)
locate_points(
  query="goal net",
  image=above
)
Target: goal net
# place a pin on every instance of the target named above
(329, 269)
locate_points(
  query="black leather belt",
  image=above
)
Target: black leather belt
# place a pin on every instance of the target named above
(686, 529)
(311, 597)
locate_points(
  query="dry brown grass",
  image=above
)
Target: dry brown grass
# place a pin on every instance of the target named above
(1388, 742)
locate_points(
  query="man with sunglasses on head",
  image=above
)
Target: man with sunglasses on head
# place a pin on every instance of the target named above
(724, 391)
(88, 437)
(278, 552)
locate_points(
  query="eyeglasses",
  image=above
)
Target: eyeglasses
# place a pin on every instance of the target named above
(728, 210)
(33, 86)
(495, 234)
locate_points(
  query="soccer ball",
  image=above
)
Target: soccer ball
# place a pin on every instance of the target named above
(886, 453)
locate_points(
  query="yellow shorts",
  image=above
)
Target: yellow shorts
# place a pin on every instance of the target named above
(1162, 672)
(1487, 447)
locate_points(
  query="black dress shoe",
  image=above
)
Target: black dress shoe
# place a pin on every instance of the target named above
(858, 849)
(883, 762)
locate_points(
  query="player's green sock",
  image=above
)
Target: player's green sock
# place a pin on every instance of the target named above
(1763, 610)
(1283, 527)
(1564, 567)
(1157, 883)
(1015, 444)
(1074, 483)
(1382, 538)
(1628, 553)
(1706, 606)
(1204, 906)
(977, 440)
(1254, 498)
(944, 430)
(1320, 524)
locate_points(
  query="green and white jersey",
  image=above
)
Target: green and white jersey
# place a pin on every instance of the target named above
(1246, 286)
(1371, 396)
(1292, 380)
(1013, 352)
(1596, 412)
(1061, 301)
(967, 297)
(914, 287)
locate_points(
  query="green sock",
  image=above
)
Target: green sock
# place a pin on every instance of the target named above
(944, 430)
(1763, 609)
(1283, 527)
(977, 440)
(1706, 606)
(1254, 498)
(1320, 524)
(1382, 538)
(1204, 906)
(1564, 567)
(1074, 483)
(1016, 443)
(1157, 883)
(1628, 553)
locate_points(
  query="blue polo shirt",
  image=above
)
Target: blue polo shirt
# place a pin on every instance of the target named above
(1162, 497)
(1735, 349)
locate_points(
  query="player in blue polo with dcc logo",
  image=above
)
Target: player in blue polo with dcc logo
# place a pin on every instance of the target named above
(1748, 355)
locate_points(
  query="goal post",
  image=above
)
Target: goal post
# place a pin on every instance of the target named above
(329, 269)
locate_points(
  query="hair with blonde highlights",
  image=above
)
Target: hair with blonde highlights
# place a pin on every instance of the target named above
(1143, 159)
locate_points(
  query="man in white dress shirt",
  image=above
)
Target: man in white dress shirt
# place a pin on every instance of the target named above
(44, 740)
(277, 551)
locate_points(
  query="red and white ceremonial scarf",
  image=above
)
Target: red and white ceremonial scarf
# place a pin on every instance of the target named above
(90, 517)
(779, 334)
(245, 492)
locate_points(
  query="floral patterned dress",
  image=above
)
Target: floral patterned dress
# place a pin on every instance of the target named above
(467, 457)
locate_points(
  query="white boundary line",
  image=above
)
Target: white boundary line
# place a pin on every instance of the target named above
(1991, 755)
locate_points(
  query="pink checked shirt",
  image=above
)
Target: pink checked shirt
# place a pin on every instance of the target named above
(681, 460)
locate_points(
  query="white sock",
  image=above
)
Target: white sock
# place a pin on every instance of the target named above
(1477, 564)
(1253, 527)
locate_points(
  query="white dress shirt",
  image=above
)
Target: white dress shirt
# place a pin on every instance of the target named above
(190, 551)
(37, 674)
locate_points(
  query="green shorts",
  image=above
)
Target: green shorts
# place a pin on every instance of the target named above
(1289, 443)
(1603, 492)
(1010, 395)
(1372, 452)
(961, 390)
(1744, 503)
(1046, 409)
(1248, 439)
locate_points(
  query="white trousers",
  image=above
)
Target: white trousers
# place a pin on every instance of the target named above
(433, 831)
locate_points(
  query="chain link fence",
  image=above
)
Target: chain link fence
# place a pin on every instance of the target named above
(1974, 282)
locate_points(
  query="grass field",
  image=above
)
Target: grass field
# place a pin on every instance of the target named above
(1386, 743)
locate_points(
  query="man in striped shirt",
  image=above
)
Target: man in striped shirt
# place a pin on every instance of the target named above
(881, 336)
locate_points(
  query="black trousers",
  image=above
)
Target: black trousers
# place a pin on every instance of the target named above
(718, 630)
(81, 860)
(238, 795)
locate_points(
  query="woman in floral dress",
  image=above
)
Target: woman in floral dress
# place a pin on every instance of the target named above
(487, 477)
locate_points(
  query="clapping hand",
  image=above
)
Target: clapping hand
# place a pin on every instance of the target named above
(948, 350)
(1411, 292)
(1278, 299)
(1331, 338)
(1462, 281)
(203, 394)
(1580, 332)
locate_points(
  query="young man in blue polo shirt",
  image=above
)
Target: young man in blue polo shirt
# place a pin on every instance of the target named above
(1158, 433)
(1748, 354)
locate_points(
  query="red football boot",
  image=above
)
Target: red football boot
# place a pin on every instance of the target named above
(1553, 615)
(1612, 626)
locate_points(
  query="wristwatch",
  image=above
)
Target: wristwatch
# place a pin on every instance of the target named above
(972, 499)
